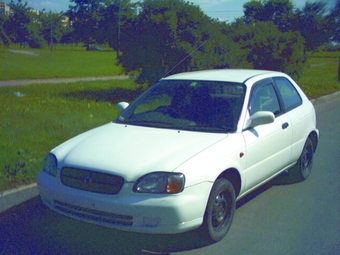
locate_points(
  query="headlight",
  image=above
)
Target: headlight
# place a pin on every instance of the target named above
(50, 164)
(160, 183)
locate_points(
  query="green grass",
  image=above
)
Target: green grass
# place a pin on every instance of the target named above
(48, 115)
(61, 63)
(320, 75)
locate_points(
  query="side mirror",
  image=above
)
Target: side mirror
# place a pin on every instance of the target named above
(122, 106)
(260, 118)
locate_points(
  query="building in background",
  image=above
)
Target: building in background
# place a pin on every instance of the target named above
(4, 8)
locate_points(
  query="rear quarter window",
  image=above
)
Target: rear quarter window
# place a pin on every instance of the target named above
(289, 95)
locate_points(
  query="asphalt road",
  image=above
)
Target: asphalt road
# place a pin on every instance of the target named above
(280, 218)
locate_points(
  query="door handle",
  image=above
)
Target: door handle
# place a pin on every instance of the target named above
(285, 125)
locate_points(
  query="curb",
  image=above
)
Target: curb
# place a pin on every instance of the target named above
(326, 98)
(13, 197)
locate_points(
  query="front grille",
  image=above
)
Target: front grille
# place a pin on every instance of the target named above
(93, 215)
(91, 181)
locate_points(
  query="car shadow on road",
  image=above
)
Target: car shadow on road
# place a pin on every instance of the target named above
(113, 95)
(32, 228)
(285, 178)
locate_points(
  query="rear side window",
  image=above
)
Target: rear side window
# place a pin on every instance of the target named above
(290, 97)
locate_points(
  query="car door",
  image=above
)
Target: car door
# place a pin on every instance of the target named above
(268, 147)
(296, 111)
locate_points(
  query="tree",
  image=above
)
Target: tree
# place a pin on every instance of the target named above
(174, 36)
(16, 25)
(23, 26)
(34, 38)
(269, 48)
(218, 51)
(53, 28)
(311, 21)
(4, 40)
(314, 25)
(334, 19)
(118, 18)
(159, 38)
(86, 17)
(280, 12)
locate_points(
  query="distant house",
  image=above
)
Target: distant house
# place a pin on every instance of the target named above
(4, 8)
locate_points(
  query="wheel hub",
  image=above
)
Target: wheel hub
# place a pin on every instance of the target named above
(306, 160)
(220, 210)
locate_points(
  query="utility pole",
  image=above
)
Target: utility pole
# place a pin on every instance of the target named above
(339, 70)
(119, 20)
(51, 35)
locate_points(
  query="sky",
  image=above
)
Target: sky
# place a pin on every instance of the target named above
(224, 10)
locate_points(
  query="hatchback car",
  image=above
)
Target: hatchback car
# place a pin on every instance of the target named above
(181, 155)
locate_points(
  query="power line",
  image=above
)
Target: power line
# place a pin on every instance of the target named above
(225, 11)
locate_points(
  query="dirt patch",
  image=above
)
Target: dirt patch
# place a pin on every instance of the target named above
(27, 52)
(60, 80)
(323, 64)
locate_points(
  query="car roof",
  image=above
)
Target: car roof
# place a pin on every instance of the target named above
(230, 75)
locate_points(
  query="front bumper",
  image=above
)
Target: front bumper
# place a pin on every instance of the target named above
(129, 211)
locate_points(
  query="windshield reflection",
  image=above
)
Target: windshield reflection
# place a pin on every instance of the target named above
(205, 106)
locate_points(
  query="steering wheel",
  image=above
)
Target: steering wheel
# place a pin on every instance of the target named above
(168, 110)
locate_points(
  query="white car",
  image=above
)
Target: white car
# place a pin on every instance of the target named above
(182, 154)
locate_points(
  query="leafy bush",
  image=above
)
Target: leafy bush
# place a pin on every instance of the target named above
(268, 48)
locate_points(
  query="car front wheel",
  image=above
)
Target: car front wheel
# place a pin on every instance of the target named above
(220, 210)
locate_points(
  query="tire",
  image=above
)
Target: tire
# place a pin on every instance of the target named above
(220, 210)
(303, 167)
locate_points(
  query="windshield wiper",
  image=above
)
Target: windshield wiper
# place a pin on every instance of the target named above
(146, 122)
(208, 128)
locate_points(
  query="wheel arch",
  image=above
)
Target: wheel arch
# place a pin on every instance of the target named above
(233, 175)
(315, 139)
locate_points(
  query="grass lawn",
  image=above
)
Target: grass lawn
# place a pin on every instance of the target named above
(30, 126)
(48, 115)
(320, 75)
(61, 63)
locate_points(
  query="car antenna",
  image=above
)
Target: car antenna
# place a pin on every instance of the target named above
(184, 59)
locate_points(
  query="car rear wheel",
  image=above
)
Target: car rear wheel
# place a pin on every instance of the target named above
(303, 167)
(220, 210)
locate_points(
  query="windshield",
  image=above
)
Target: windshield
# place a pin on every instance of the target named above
(205, 106)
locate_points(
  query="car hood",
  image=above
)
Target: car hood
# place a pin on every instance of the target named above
(132, 151)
